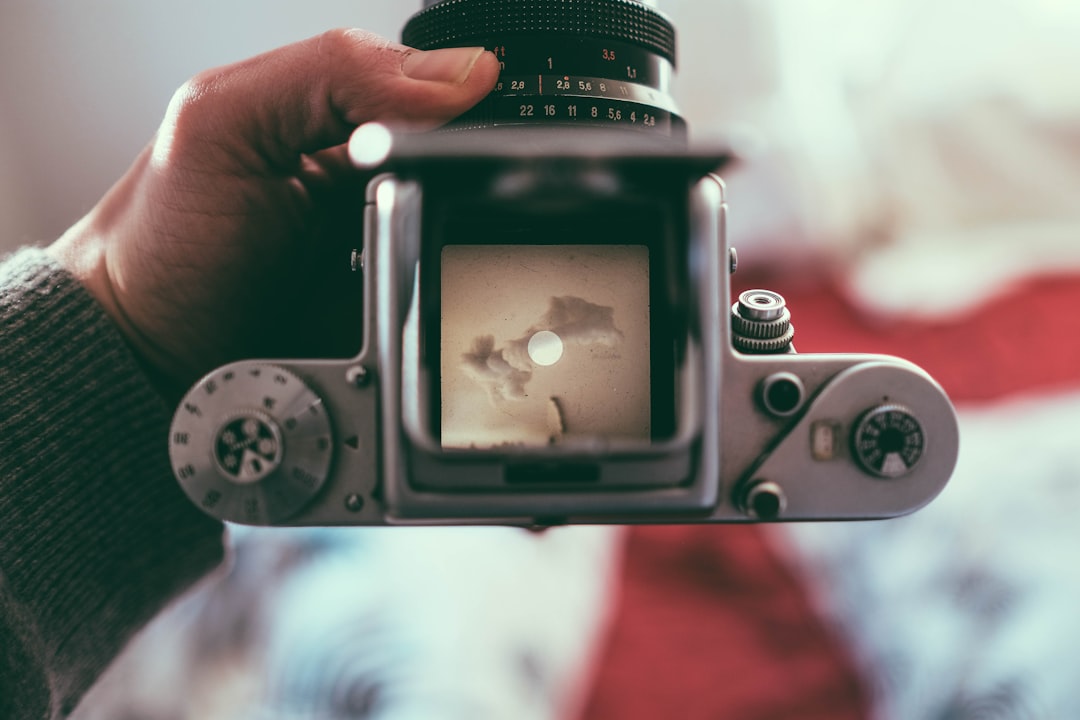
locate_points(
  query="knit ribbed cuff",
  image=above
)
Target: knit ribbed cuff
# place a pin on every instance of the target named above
(95, 534)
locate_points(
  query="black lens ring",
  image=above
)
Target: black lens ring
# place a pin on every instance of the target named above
(453, 23)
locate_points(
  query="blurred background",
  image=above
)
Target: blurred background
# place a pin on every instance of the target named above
(874, 134)
(910, 179)
(83, 86)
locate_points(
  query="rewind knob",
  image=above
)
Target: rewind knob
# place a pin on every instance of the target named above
(251, 443)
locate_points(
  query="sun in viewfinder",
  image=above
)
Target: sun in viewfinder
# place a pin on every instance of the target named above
(545, 348)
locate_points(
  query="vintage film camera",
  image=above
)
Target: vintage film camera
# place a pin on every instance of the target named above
(548, 334)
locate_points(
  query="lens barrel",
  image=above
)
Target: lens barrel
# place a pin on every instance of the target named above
(596, 63)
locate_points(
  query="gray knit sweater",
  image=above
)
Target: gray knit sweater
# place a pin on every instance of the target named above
(95, 535)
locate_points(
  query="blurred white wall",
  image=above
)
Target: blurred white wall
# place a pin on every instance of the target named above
(83, 85)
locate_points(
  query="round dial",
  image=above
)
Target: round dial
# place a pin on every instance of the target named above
(888, 441)
(248, 447)
(251, 443)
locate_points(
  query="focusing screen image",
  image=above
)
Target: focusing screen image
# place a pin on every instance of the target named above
(542, 344)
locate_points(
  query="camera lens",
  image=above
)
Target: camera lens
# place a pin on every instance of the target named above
(600, 63)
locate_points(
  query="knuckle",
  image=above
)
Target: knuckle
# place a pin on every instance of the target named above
(361, 68)
(191, 115)
(340, 39)
(358, 51)
(191, 100)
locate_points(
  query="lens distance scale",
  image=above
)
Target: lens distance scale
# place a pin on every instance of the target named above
(606, 63)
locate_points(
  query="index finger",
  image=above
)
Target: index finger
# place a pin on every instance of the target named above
(304, 97)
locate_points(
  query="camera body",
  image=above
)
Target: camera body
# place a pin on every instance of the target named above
(548, 339)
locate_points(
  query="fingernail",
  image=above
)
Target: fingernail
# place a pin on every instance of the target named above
(448, 65)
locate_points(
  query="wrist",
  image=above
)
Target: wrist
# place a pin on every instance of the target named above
(83, 252)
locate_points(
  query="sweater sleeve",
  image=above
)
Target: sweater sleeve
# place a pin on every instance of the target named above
(95, 535)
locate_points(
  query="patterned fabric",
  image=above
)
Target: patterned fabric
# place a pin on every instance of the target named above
(968, 608)
(388, 623)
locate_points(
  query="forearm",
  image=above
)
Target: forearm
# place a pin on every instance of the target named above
(95, 537)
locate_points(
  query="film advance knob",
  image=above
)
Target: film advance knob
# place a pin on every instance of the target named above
(251, 443)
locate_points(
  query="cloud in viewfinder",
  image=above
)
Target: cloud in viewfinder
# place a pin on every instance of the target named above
(504, 372)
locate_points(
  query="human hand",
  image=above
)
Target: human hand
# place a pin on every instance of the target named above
(217, 243)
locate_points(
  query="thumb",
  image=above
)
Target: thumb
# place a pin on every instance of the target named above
(305, 97)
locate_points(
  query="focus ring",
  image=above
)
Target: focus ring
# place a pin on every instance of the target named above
(473, 22)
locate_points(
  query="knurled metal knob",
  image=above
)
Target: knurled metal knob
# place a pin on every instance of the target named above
(761, 323)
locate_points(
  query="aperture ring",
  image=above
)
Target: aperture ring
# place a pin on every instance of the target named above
(467, 22)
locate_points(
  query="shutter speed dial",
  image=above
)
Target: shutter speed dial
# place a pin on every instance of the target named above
(888, 441)
(251, 443)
